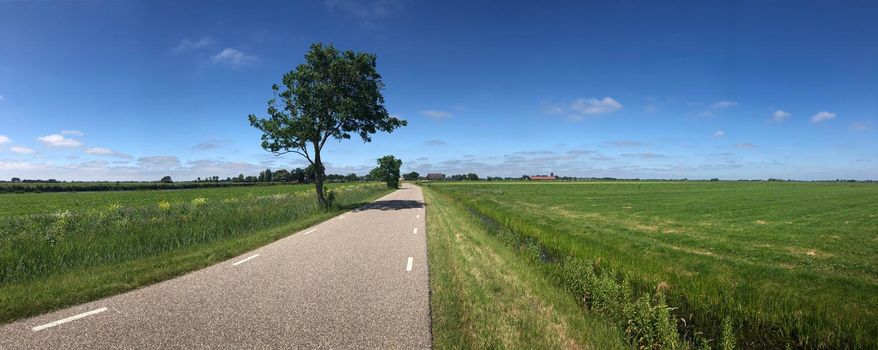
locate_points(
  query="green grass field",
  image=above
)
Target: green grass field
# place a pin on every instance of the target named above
(788, 264)
(13, 204)
(61, 249)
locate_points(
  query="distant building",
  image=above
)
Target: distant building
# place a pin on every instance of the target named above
(550, 177)
(435, 176)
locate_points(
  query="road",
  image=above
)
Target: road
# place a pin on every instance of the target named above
(359, 280)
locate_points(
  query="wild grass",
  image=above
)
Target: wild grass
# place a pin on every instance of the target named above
(15, 204)
(68, 256)
(757, 265)
(485, 296)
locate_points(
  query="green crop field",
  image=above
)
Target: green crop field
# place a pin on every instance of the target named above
(776, 264)
(59, 249)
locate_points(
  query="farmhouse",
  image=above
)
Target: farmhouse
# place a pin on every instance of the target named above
(550, 177)
(435, 176)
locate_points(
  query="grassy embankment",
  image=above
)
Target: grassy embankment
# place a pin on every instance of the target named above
(485, 297)
(787, 264)
(84, 246)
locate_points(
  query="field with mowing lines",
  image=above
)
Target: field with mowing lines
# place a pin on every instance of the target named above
(785, 264)
(61, 249)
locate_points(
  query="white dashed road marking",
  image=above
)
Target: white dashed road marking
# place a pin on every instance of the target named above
(311, 230)
(408, 267)
(415, 231)
(71, 318)
(245, 260)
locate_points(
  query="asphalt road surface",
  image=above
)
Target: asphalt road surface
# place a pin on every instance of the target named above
(358, 280)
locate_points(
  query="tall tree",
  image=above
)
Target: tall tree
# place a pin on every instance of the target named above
(332, 95)
(412, 176)
(387, 171)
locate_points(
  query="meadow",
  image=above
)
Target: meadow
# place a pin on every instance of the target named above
(59, 249)
(763, 265)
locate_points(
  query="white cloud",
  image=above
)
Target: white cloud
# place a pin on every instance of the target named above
(72, 132)
(102, 151)
(2, 98)
(59, 141)
(590, 106)
(158, 162)
(717, 106)
(436, 114)
(780, 115)
(582, 108)
(233, 58)
(21, 150)
(719, 133)
(187, 45)
(372, 14)
(724, 104)
(822, 116)
(435, 143)
(860, 126)
(4, 139)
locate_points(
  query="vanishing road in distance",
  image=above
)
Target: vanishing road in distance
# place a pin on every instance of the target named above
(358, 280)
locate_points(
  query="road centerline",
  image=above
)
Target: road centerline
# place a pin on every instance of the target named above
(408, 266)
(68, 319)
(415, 231)
(245, 260)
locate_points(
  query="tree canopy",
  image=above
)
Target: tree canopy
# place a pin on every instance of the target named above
(387, 171)
(333, 95)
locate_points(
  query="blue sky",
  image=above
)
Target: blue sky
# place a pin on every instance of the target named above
(119, 90)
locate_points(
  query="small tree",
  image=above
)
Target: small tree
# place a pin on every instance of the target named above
(472, 177)
(412, 176)
(167, 180)
(15, 179)
(387, 171)
(333, 95)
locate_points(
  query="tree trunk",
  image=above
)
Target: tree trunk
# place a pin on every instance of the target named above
(318, 179)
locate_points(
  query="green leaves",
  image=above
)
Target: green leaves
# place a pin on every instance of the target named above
(387, 171)
(333, 94)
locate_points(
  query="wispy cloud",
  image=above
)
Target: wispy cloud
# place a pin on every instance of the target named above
(822, 116)
(718, 106)
(187, 45)
(861, 126)
(593, 106)
(22, 150)
(212, 144)
(233, 57)
(435, 143)
(644, 155)
(582, 108)
(372, 14)
(102, 151)
(4, 139)
(436, 114)
(59, 141)
(626, 143)
(158, 162)
(719, 133)
(72, 132)
(780, 115)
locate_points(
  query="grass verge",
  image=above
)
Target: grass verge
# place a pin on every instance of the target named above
(487, 296)
(90, 255)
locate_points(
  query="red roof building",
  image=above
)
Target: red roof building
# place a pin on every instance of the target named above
(550, 177)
